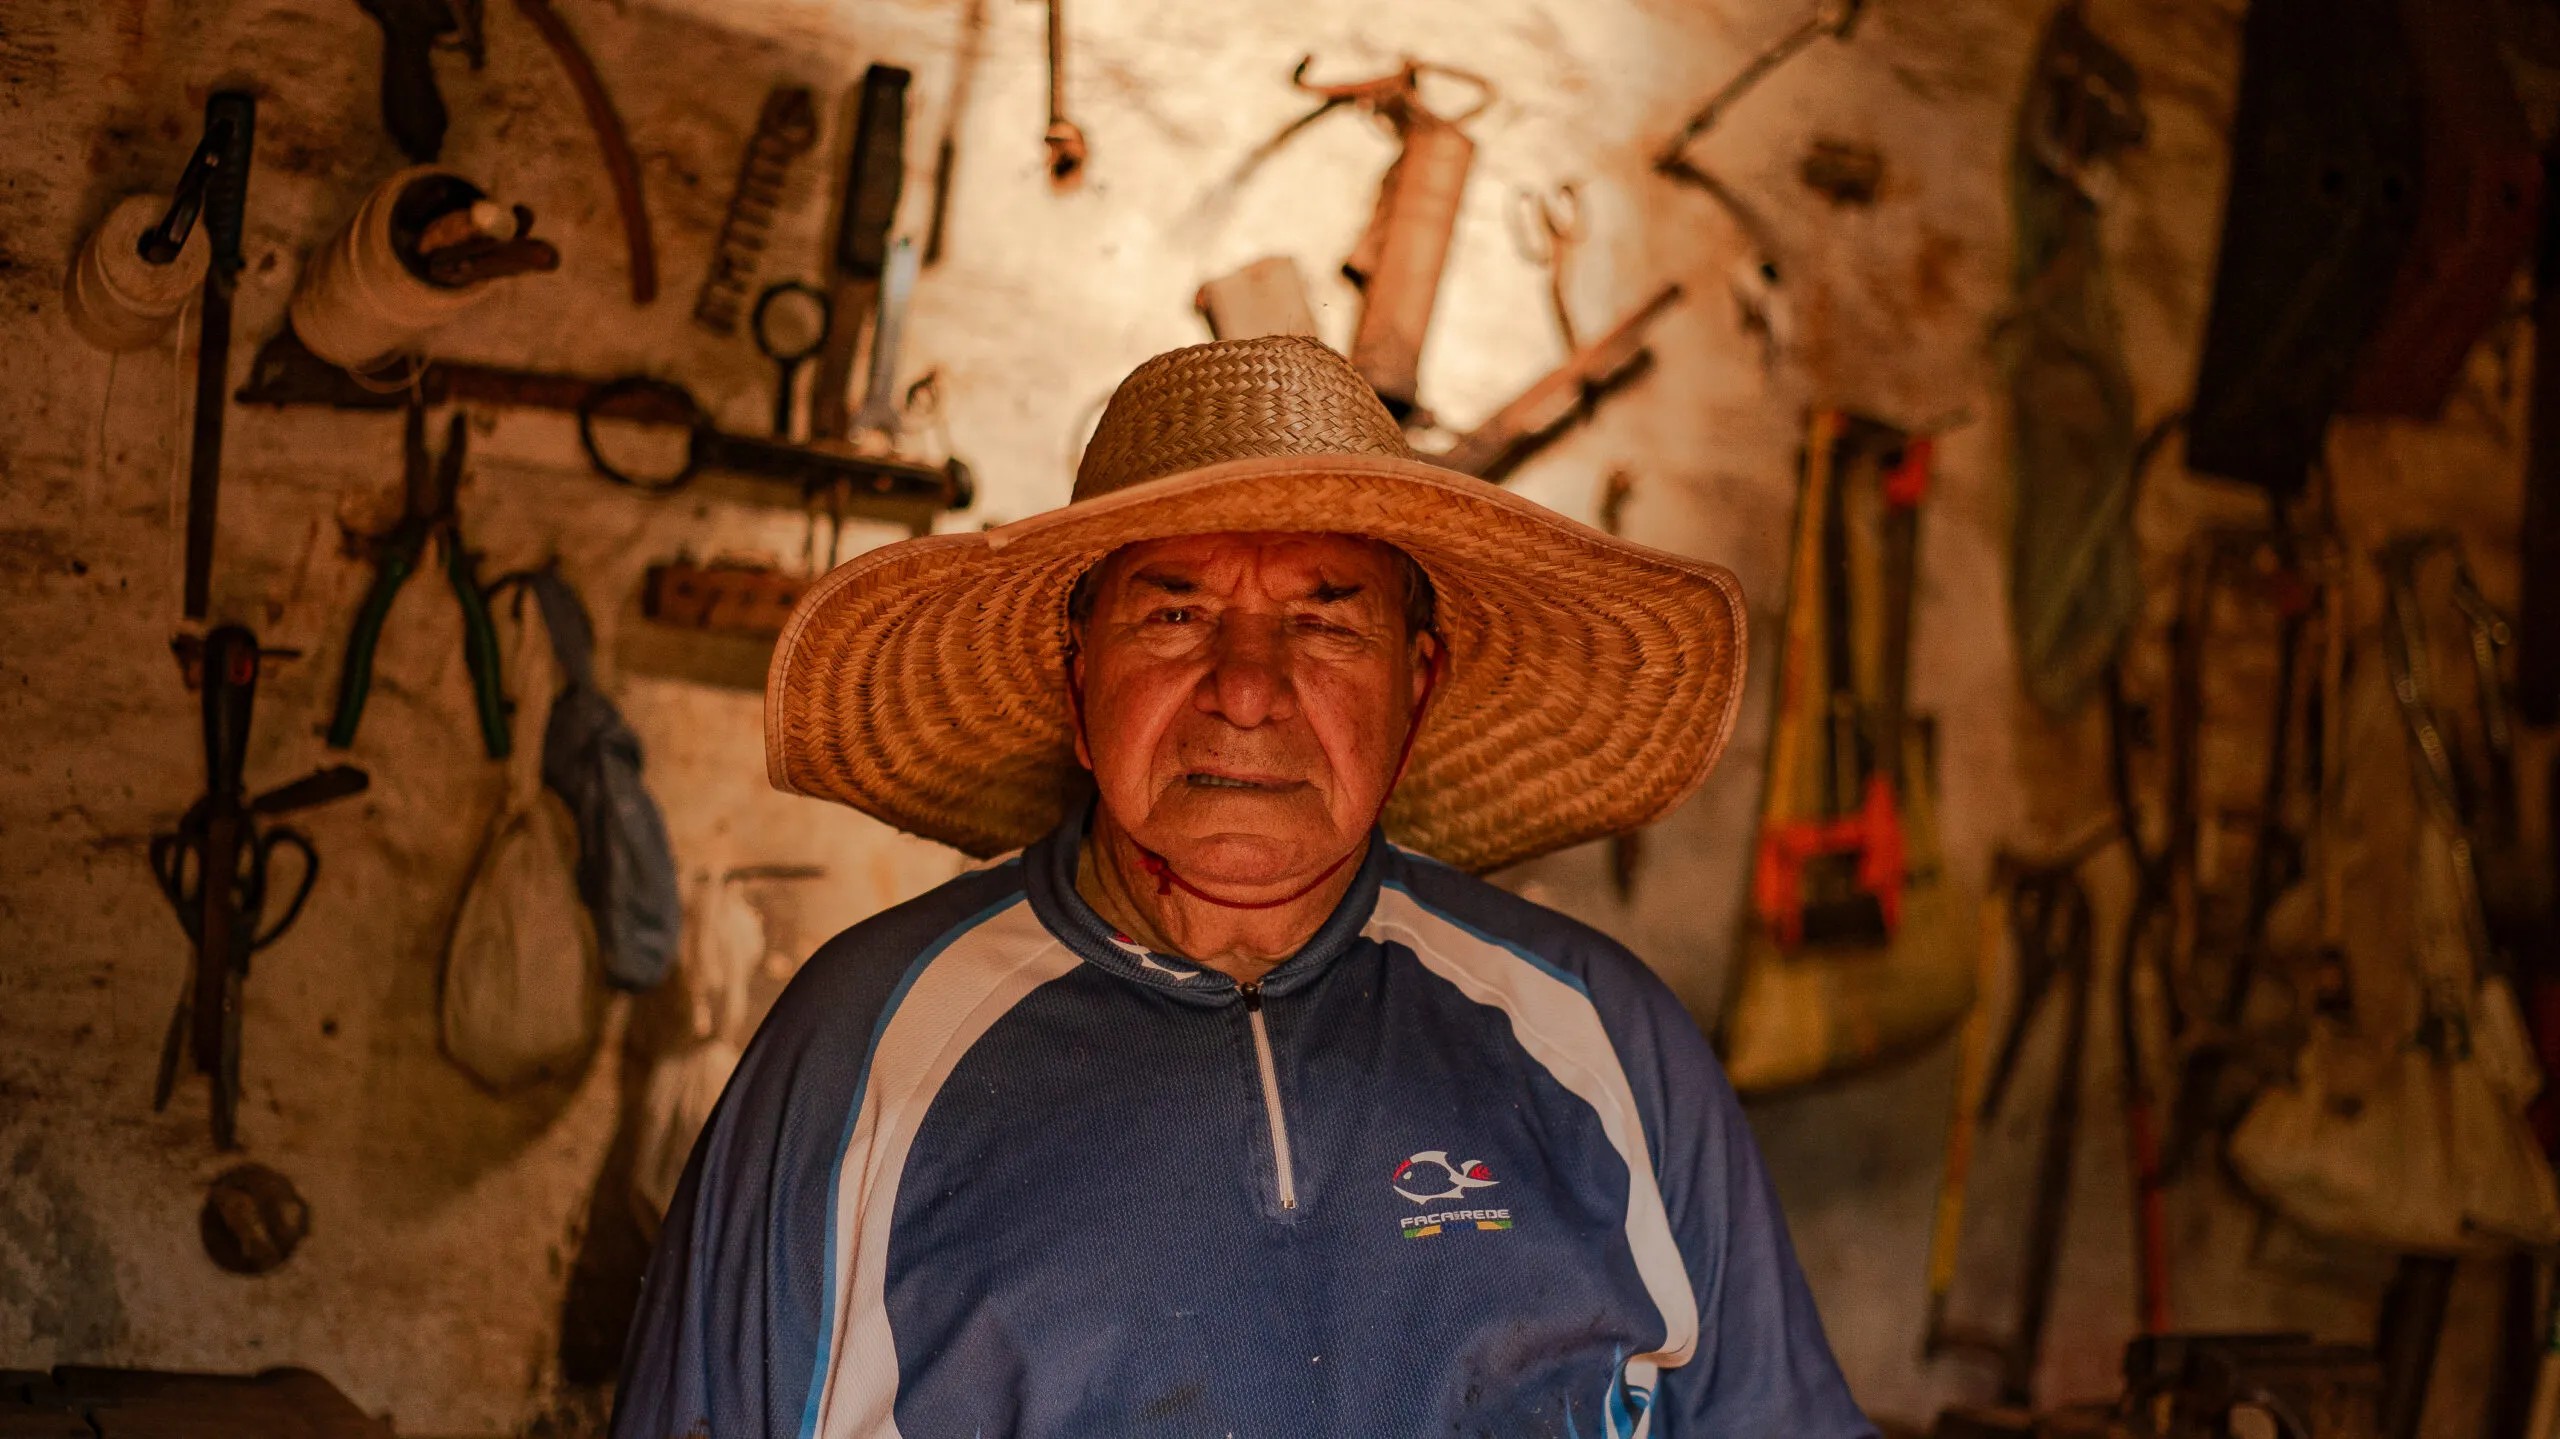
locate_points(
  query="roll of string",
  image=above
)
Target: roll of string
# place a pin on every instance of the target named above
(116, 299)
(358, 306)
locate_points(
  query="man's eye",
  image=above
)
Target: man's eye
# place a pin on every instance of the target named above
(1174, 615)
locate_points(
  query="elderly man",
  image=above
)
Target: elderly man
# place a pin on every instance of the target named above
(1215, 1112)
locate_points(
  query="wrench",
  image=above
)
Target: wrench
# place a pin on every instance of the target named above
(879, 412)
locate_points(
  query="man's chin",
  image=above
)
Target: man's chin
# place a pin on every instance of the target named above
(1246, 857)
(1245, 870)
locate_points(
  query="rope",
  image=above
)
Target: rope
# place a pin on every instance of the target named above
(359, 305)
(118, 300)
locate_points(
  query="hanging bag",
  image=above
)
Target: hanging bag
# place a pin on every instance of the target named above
(2410, 1140)
(2404, 1125)
(520, 1001)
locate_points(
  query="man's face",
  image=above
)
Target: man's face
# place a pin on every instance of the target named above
(1246, 697)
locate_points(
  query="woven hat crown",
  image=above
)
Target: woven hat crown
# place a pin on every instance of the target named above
(1234, 400)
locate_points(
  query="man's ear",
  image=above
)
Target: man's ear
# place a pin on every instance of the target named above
(1075, 703)
(1429, 654)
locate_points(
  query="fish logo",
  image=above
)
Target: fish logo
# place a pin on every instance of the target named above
(1432, 1166)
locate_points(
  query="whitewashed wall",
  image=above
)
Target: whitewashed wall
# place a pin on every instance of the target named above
(446, 1220)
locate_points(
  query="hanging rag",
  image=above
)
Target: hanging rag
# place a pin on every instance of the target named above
(590, 757)
(2074, 585)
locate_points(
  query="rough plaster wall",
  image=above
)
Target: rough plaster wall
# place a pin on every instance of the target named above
(447, 1220)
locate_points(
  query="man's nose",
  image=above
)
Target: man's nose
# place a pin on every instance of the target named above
(1248, 683)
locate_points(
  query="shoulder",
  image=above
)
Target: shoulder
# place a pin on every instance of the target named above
(1573, 953)
(821, 1030)
(1574, 994)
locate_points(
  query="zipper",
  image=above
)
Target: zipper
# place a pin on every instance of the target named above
(1270, 1071)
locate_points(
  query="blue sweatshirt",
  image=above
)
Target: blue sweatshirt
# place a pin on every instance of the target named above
(1460, 1166)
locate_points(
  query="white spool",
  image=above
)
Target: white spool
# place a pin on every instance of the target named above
(358, 306)
(118, 300)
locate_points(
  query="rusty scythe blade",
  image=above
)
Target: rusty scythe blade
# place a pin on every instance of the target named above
(619, 161)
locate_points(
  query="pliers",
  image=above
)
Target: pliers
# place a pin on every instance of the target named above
(397, 555)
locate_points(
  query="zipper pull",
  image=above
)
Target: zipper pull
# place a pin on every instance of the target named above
(1252, 993)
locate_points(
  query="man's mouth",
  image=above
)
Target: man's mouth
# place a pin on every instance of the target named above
(1202, 779)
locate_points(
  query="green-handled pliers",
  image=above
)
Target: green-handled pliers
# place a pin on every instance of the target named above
(431, 484)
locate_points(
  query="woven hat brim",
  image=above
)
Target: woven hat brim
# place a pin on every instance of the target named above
(1591, 682)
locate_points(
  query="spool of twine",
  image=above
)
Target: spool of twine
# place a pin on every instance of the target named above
(120, 301)
(358, 306)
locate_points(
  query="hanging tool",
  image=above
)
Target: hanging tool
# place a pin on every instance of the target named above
(1859, 945)
(2075, 465)
(1758, 284)
(230, 122)
(162, 243)
(429, 485)
(875, 173)
(730, 596)
(1265, 297)
(1550, 230)
(1832, 18)
(285, 373)
(2221, 949)
(1397, 264)
(1565, 394)
(785, 129)
(906, 491)
(2051, 928)
(621, 165)
(1626, 848)
(475, 245)
(946, 151)
(413, 109)
(2148, 938)
(879, 412)
(1064, 139)
(1837, 874)
(213, 869)
(790, 324)
(2469, 783)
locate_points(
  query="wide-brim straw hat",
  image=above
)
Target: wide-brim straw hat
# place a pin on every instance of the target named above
(1590, 683)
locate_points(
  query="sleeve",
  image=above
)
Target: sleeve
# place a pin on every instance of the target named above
(734, 1316)
(1762, 1365)
(732, 1312)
